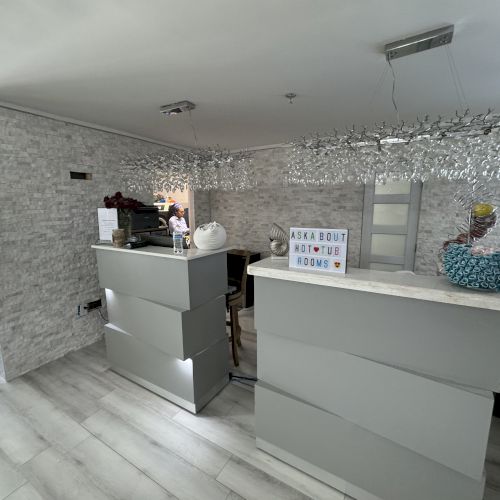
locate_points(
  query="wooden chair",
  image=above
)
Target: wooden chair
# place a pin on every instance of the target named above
(234, 299)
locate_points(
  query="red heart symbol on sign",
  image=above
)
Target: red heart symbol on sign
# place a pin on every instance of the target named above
(316, 249)
(337, 264)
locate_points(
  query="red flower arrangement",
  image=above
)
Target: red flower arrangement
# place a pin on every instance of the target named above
(118, 201)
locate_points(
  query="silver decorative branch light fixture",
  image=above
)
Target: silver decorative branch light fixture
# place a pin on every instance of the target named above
(464, 147)
(198, 169)
(460, 148)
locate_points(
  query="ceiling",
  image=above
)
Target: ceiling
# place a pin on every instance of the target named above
(115, 62)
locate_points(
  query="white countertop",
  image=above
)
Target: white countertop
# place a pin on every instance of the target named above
(165, 252)
(432, 288)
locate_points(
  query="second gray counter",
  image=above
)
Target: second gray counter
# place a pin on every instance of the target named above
(166, 327)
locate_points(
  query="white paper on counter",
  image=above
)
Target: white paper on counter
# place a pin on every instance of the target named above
(108, 220)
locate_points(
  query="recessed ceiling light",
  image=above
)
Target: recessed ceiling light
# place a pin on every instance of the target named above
(177, 107)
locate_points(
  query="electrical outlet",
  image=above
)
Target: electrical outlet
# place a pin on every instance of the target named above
(81, 310)
(84, 309)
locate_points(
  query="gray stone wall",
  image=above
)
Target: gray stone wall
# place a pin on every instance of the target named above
(247, 216)
(200, 208)
(2, 371)
(47, 224)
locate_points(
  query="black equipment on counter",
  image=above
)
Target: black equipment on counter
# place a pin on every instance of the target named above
(144, 218)
(161, 241)
(136, 244)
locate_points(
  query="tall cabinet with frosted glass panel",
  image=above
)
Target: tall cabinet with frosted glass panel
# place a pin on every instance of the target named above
(390, 223)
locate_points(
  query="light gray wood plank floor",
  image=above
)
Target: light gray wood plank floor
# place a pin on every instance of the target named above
(74, 430)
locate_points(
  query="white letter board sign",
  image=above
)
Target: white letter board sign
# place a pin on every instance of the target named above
(318, 249)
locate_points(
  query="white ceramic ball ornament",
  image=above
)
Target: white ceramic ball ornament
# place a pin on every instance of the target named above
(210, 236)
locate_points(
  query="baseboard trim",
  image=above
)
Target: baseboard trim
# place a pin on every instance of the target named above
(324, 476)
(183, 403)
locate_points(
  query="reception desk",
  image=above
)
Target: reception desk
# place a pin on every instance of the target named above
(167, 320)
(376, 383)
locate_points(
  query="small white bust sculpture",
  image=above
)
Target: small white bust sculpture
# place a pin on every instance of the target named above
(209, 236)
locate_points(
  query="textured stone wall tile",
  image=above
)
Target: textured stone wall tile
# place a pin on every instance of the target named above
(48, 223)
(248, 215)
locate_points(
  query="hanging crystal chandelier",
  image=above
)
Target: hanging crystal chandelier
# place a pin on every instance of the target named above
(464, 147)
(200, 169)
(461, 148)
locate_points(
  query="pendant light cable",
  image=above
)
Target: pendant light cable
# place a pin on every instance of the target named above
(394, 91)
(193, 129)
(378, 86)
(457, 82)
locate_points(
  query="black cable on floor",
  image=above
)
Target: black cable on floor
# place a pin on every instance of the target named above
(244, 383)
(232, 375)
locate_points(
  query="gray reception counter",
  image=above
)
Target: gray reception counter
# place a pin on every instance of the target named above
(167, 320)
(379, 384)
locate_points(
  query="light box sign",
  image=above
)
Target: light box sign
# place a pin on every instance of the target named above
(318, 249)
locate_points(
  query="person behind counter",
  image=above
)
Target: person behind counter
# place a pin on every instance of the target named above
(176, 221)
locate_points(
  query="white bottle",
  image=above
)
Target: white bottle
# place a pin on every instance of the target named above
(177, 237)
